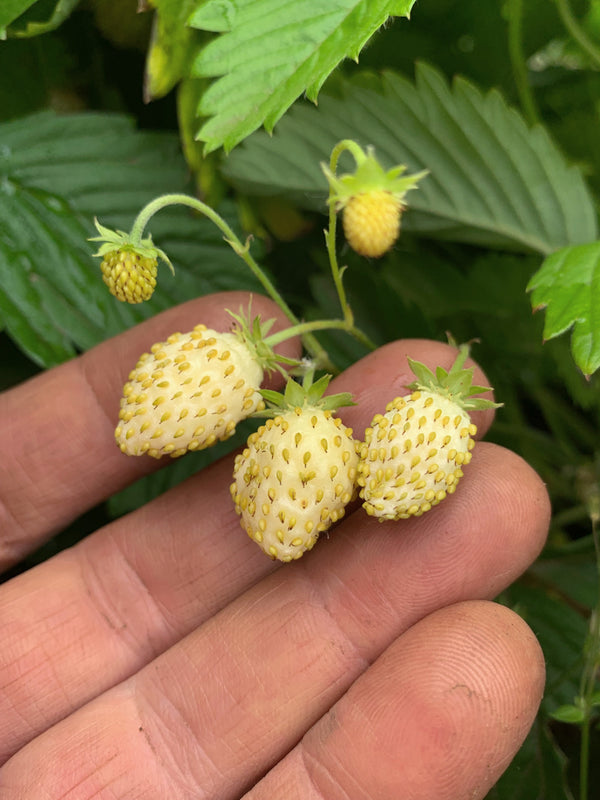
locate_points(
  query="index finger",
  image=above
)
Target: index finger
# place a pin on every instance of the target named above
(58, 439)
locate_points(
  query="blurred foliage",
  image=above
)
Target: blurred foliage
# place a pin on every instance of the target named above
(99, 108)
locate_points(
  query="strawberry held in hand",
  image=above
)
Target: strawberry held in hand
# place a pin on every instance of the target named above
(298, 471)
(413, 455)
(191, 390)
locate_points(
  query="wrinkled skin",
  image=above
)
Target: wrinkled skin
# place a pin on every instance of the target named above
(165, 656)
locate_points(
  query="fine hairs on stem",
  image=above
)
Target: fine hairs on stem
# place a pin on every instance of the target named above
(298, 328)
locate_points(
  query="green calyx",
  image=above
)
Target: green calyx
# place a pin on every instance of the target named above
(456, 383)
(112, 241)
(306, 395)
(252, 332)
(369, 176)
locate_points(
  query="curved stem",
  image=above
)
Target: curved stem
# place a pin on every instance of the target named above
(519, 67)
(319, 325)
(330, 233)
(577, 31)
(362, 337)
(352, 147)
(165, 200)
(142, 219)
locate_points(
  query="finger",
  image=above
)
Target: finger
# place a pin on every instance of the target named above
(229, 700)
(60, 453)
(146, 580)
(440, 714)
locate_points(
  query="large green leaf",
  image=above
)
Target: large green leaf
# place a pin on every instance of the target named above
(56, 174)
(567, 285)
(538, 771)
(561, 631)
(271, 51)
(493, 181)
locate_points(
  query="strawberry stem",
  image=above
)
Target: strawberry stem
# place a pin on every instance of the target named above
(302, 328)
(330, 233)
(242, 250)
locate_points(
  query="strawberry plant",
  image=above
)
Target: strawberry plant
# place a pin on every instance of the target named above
(382, 170)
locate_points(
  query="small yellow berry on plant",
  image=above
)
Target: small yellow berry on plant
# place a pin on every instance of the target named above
(372, 202)
(128, 268)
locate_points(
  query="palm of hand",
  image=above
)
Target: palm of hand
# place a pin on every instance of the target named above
(166, 657)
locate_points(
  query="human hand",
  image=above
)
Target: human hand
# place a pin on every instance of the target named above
(166, 657)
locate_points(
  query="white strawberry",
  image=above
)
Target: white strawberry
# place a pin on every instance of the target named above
(298, 471)
(413, 455)
(191, 390)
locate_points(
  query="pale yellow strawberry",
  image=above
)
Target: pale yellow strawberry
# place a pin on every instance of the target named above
(413, 454)
(295, 478)
(372, 222)
(188, 392)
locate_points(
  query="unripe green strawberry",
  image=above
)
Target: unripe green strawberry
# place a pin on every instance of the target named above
(129, 276)
(191, 390)
(296, 475)
(129, 266)
(413, 454)
(372, 222)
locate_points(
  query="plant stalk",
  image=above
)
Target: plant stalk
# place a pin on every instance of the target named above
(577, 32)
(519, 66)
(142, 219)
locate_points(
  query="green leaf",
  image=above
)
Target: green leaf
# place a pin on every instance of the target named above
(594, 700)
(39, 303)
(493, 181)
(567, 285)
(570, 713)
(537, 772)
(56, 174)
(573, 575)
(43, 17)
(172, 47)
(561, 631)
(271, 51)
(10, 10)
